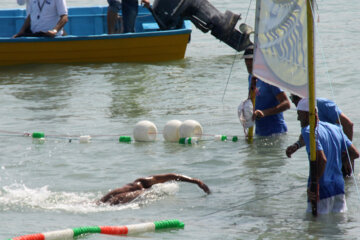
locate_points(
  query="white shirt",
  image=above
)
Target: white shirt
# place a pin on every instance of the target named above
(45, 14)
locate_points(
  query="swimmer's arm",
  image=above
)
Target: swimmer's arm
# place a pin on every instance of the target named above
(181, 178)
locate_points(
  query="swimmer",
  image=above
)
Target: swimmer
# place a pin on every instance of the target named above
(132, 190)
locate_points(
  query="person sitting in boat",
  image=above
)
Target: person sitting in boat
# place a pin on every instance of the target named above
(46, 18)
(330, 144)
(129, 14)
(270, 102)
(132, 190)
(329, 112)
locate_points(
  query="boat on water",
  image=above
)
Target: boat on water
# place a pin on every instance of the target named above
(87, 40)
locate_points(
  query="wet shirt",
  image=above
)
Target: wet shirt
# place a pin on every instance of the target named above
(330, 139)
(266, 98)
(328, 111)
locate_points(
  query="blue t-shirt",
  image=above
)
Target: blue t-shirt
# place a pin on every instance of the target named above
(328, 111)
(332, 140)
(266, 98)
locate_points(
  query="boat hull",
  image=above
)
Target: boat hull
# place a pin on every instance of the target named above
(140, 49)
(145, 45)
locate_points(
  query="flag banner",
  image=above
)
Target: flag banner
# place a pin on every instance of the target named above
(280, 56)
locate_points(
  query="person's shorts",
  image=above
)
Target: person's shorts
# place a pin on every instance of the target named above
(334, 204)
(114, 5)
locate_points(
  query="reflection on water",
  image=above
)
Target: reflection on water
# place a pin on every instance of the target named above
(130, 87)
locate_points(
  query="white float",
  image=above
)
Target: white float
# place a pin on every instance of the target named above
(190, 128)
(171, 131)
(145, 131)
(84, 139)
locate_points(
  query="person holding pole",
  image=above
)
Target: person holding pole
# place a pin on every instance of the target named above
(331, 143)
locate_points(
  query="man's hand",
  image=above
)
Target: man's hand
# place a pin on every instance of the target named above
(51, 33)
(258, 114)
(311, 195)
(18, 35)
(291, 149)
(146, 3)
(347, 169)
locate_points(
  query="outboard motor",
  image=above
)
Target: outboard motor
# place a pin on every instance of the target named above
(170, 14)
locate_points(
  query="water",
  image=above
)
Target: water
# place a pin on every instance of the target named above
(257, 192)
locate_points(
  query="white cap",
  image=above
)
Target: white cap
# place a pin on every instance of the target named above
(303, 105)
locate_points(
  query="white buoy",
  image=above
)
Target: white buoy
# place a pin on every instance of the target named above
(84, 139)
(171, 131)
(145, 131)
(190, 128)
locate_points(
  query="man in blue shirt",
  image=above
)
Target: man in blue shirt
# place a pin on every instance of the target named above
(270, 102)
(331, 142)
(329, 112)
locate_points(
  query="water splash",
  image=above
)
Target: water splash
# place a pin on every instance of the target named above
(19, 197)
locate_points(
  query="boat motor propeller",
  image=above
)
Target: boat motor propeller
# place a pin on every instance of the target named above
(170, 14)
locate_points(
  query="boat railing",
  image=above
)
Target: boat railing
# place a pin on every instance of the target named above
(83, 21)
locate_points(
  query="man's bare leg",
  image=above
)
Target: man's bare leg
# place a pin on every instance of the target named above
(112, 19)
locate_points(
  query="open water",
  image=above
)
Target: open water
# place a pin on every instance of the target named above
(257, 192)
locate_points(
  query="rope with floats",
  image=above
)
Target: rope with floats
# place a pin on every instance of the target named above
(110, 230)
(187, 132)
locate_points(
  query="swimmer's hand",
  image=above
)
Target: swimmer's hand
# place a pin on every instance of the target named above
(204, 187)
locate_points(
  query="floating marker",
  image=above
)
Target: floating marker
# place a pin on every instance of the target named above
(38, 135)
(125, 139)
(171, 131)
(112, 230)
(190, 128)
(235, 139)
(220, 138)
(145, 131)
(84, 139)
(189, 140)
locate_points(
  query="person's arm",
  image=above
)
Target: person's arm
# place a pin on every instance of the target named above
(347, 125)
(321, 164)
(176, 177)
(353, 154)
(128, 188)
(24, 27)
(61, 23)
(294, 147)
(283, 105)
